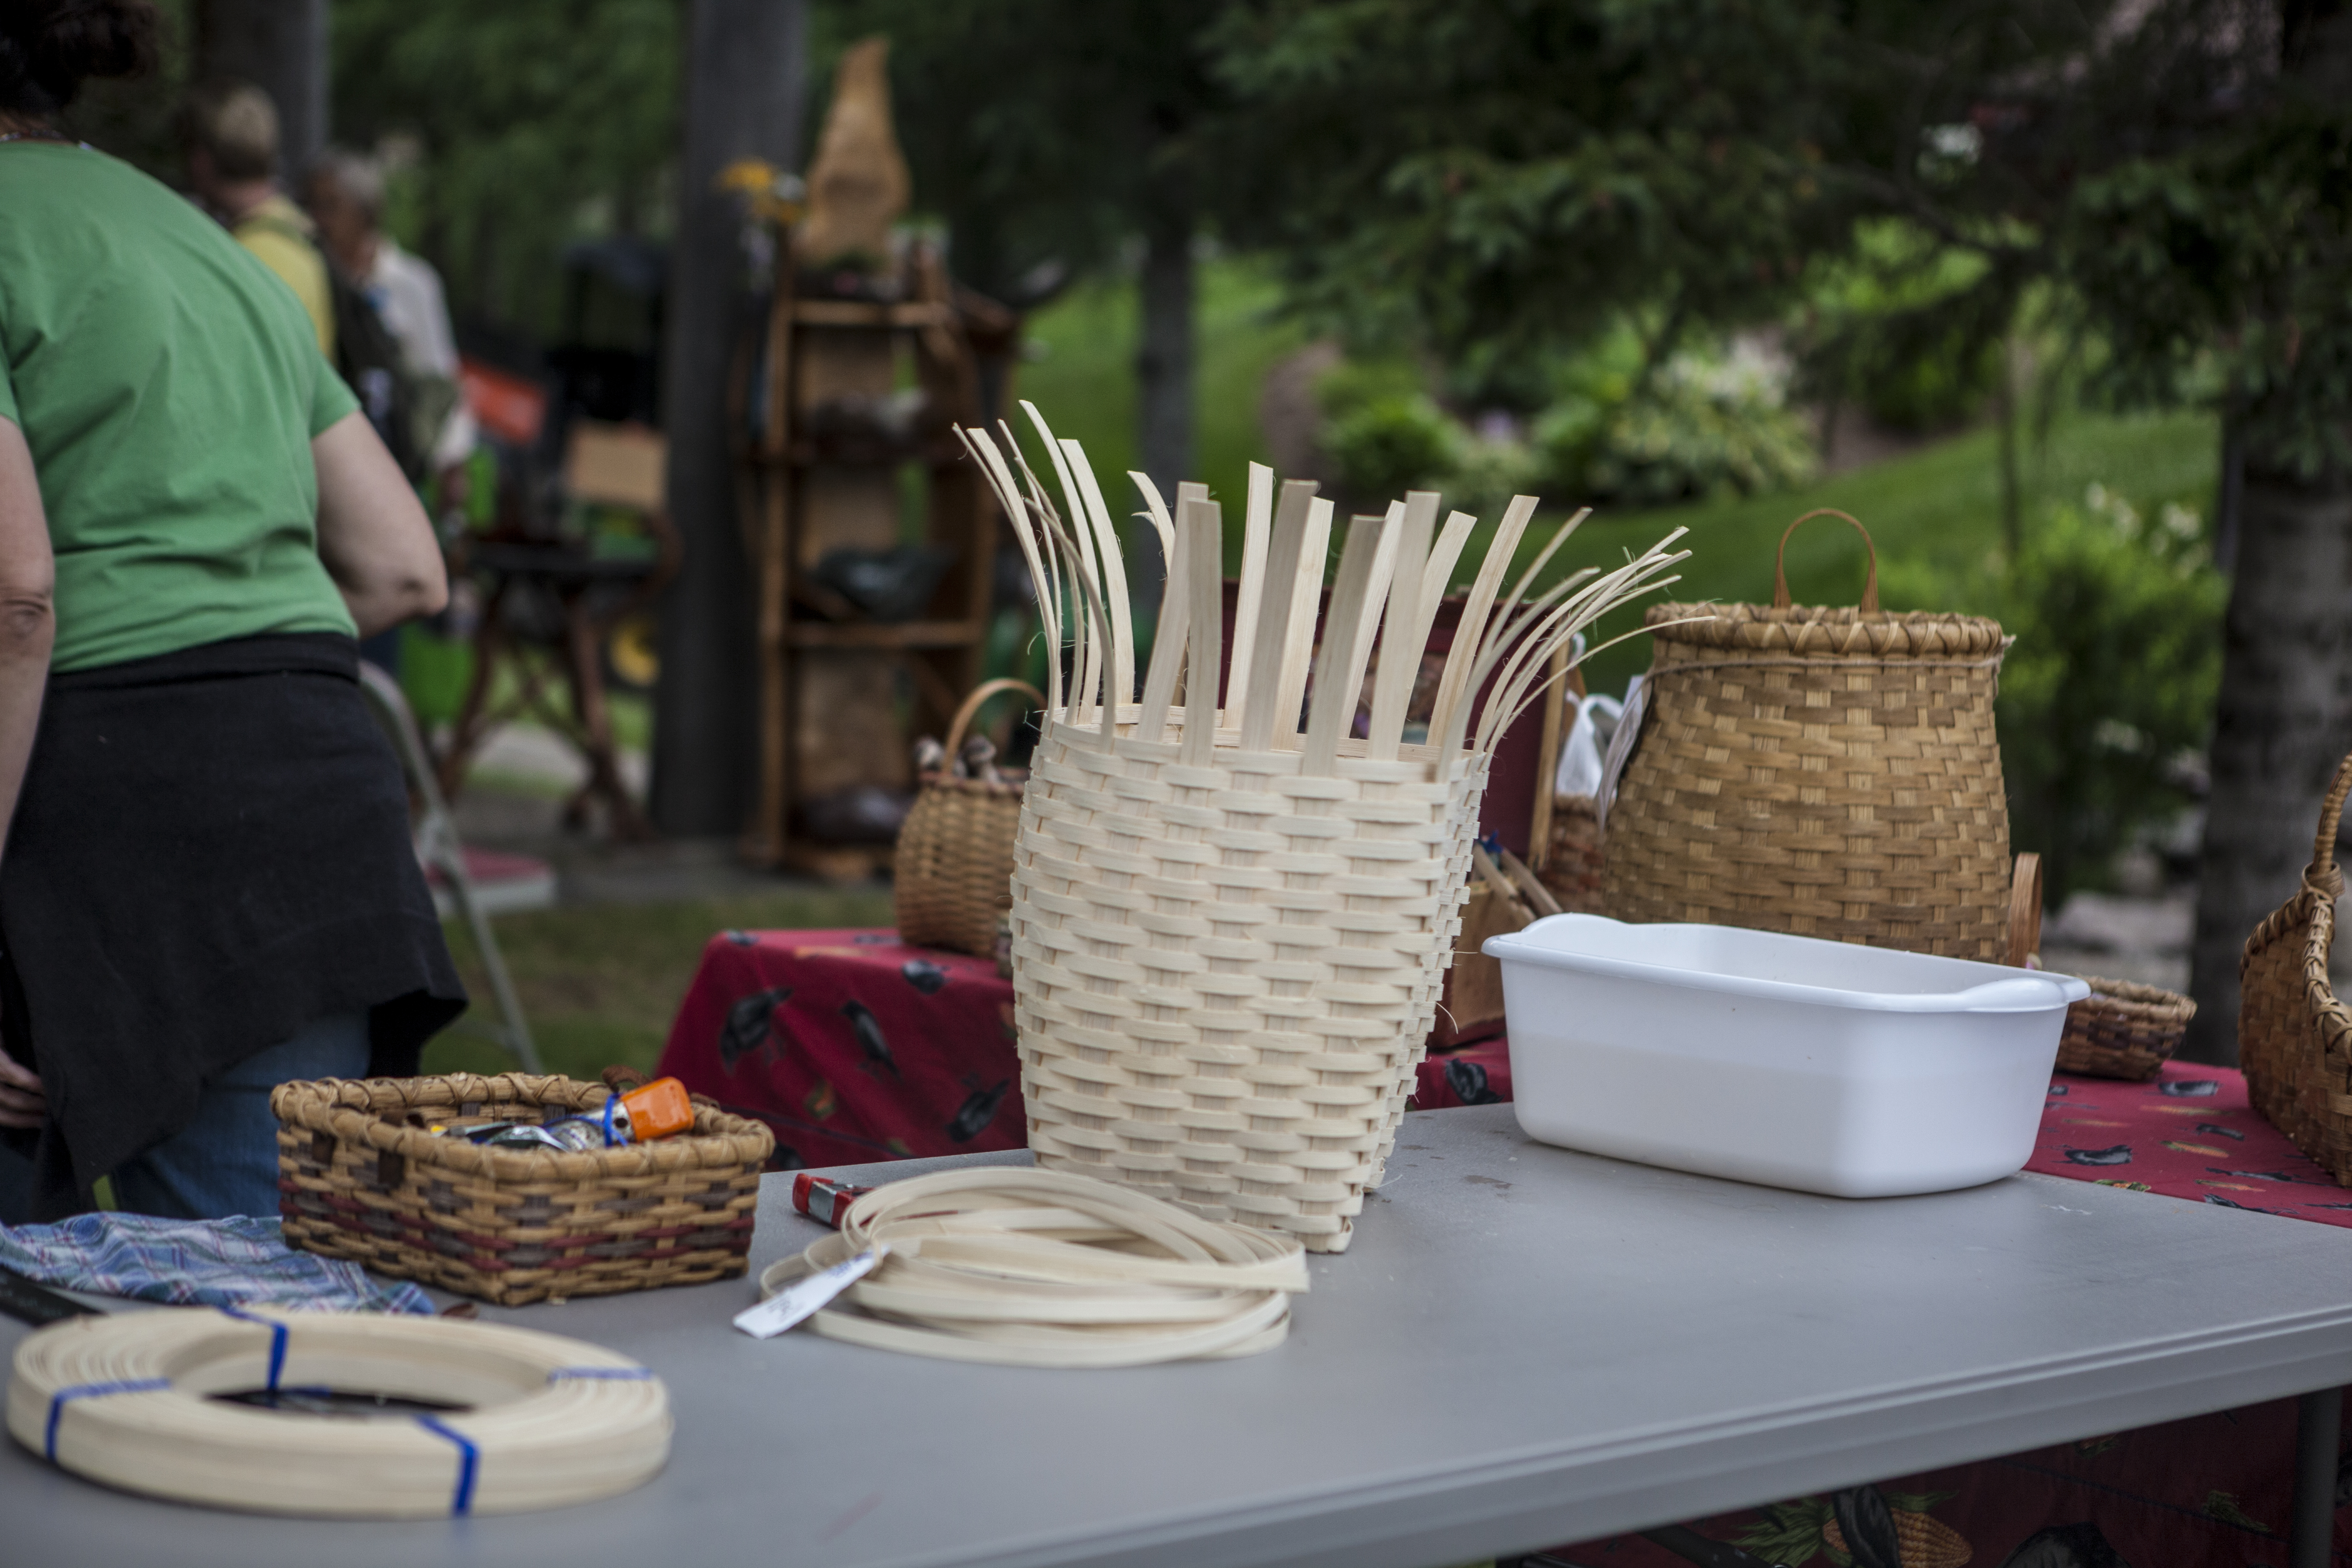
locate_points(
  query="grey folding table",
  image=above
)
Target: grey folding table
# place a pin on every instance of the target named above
(1523, 1346)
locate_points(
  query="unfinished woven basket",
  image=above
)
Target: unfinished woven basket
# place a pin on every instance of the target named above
(2124, 1030)
(358, 1177)
(2294, 1038)
(952, 876)
(1826, 772)
(1229, 929)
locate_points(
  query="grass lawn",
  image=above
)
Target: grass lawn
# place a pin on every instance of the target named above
(599, 985)
(1940, 505)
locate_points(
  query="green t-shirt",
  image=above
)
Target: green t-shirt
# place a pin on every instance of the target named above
(168, 385)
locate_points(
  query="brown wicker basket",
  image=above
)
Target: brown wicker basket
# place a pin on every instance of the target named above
(2122, 1029)
(1829, 773)
(1572, 865)
(953, 872)
(358, 1177)
(2294, 1038)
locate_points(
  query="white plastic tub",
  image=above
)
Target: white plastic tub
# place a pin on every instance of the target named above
(1780, 1059)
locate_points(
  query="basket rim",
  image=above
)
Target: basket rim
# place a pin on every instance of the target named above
(2135, 999)
(1825, 630)
(1003, 789)
(348, 1109)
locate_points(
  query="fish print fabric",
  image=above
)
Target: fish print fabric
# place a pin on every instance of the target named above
(852, 1047)
(2189, 1133)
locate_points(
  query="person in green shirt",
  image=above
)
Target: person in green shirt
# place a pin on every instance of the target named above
(207, 885)
(231, 129)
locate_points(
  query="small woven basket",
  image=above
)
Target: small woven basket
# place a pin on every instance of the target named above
(952, 876)
(2294, 1038)
(358, 1177)
(1827, 772)
(1225, 974)
(2122, 1029)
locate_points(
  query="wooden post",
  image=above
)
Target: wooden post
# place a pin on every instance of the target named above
(280, 47)
(744, 61)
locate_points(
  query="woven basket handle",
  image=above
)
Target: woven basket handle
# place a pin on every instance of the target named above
(2025, 910)
(2322, 873)
(981, 694)
(1781, 560)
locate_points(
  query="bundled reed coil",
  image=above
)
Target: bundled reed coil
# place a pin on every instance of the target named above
(510, 1420)
(1028, 1267)
(1229, 925)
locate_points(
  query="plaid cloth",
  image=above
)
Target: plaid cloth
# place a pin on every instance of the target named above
(239, 1262)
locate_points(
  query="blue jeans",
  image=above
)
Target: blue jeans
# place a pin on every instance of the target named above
(225, 1162)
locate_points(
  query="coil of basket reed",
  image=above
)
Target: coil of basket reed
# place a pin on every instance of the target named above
(1232, 911)
(500, 1419)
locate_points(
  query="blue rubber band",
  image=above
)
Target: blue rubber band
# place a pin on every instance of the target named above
(610, 1102)
(276, 1342)
(90, 1391)
(606, 1373)
(469, 1461)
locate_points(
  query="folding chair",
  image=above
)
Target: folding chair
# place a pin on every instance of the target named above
(437, 846)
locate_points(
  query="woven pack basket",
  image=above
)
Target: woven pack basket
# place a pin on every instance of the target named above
(2124, 1030)
(358, 1177)
(1827, 772)
(952, 876)
(2294, 1038)
(1225, 975)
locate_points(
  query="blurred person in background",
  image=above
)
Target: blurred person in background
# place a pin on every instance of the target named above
(230, 132)
(207, 886)
(346, 195)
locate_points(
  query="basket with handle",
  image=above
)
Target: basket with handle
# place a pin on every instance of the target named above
(1821, 772)
(952, 873)
(361, 1176)
(1229, 929)
(2295, 1036)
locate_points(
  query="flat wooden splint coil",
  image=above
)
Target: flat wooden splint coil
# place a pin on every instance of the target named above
(1034, 1268)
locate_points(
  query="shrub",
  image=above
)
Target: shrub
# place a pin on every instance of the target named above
(1703, 426)
(1383, 433)
(2111, 681)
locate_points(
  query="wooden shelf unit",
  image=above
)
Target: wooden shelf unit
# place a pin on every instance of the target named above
(829, 687)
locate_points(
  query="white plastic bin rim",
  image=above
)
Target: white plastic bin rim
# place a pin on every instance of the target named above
(1783, 968)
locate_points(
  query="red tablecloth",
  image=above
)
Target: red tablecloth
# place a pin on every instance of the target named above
(854, 1047)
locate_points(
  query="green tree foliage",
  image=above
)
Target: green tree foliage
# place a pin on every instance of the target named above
(1500, 179)
(535, 121)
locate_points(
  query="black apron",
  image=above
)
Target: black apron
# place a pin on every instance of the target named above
(212, 850)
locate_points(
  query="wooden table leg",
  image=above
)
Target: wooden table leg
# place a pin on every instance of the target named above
(595, 722)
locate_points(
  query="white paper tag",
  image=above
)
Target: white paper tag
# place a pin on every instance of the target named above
(799, 1301)
(1620, 746)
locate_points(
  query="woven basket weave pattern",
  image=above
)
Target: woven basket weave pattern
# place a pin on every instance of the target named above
(1224, 975)
(2124, 1030)
(2295, 1036)
(1824, 773)
(356, 1182)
